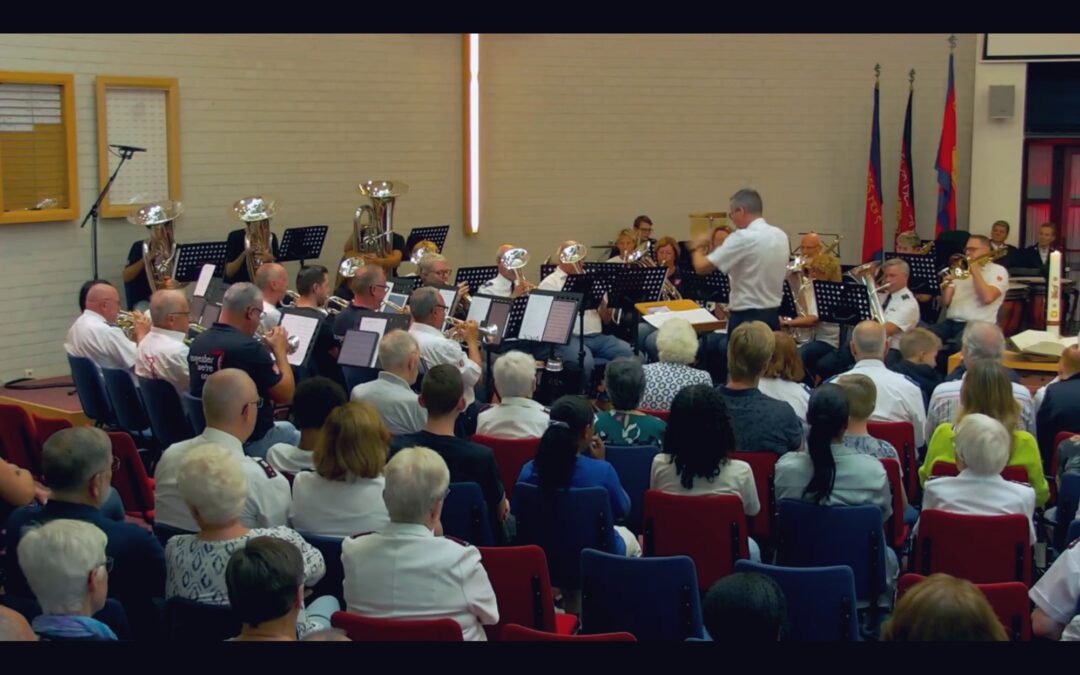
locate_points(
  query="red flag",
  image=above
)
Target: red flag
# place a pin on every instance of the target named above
(946, 162)
(905, 195)
(872, 222)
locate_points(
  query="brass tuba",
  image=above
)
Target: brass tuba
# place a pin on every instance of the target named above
(159, 250)
(256, 213)
(869, 275)
(376, 235)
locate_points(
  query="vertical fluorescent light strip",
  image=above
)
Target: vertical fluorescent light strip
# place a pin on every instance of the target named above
(474, 132)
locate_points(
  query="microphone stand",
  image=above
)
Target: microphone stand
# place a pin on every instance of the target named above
(124, 156)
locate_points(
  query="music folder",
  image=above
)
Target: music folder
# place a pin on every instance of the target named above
(359, 349)
(490, 310)
(304, 327)
(545, 316)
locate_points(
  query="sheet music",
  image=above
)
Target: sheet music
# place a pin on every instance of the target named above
(303, 327)
(448, 296)
(560, 321)
(359, 348)
(205, 275)
(375, 325)
(535, 319)
(698, 315)
(478, 310)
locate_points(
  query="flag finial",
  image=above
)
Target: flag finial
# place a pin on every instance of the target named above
(952, 42)
(911, 77)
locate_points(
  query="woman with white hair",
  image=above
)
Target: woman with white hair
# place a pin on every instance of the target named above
(517, 415)
(409, 571)
(212, 483)
(982, 451)
(677, 347)
(64, 562)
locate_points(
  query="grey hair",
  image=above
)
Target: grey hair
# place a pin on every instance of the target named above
(748, 199)
(240, 296)
(428, 262)
(869, 340)
(366, 277)
(56, 559)
(422, 302)
(982, 444)
(395, 348)
(676, 342)
(71, 457)
(982, 341)
(899, 263)
(416, 479)
(515, 374)
(624, 380)
(164, 303)
(212, 480)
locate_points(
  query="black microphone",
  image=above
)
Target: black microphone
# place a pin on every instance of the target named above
(128, 148)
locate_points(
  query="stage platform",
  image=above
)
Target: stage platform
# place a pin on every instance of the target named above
(53, 402)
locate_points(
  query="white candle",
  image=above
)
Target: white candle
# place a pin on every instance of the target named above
(1053, 296)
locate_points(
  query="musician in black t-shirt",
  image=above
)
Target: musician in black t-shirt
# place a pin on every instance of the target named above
(313, 285)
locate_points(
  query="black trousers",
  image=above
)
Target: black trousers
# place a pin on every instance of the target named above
(770, 317)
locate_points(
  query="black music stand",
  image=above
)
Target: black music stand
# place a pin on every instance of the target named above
(636, 284)
(841, 303)
(497, 314)
(545, 270)
(302, 243)
(476, 276)
(434, 233)
(923, 269)
(712, 287)
(592, 286)
(191, 258)
(788, 306)
(568, 301)
(404, 285)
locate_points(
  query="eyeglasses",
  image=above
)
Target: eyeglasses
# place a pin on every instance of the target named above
(383, 286)
(257, 404)
(443, 273)
(260, 310)
(442, 307)
(107, 564)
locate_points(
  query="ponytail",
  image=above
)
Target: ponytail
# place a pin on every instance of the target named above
(827, 415)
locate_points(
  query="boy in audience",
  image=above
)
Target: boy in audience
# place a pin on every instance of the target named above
(312, 403)
(861, 394)
(745, 607)
(919, 348)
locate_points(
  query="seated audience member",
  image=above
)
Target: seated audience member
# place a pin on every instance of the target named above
(517, 415)
(265, 580)
(982, 451)
(14, 627)
(312, 403)
(343, 495)
(162, 354)
(943, 608)
(441, 394)
(214, 487)
(17, 488)
(94, 335)
(760, 423)
(65, 564)
(625, 424)
(819, 355)
(409, 571)
(784, 376)
(78, 466)
(986, 390)
(230, 403)
(1059, 409)
(392, 394)
(1056, 596)
(567, 458)
(862, 398)
(1068, 452)
(918, 351)
(745, 607)
(689, 466)
(677, 347)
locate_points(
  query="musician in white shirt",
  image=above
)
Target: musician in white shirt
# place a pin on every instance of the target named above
(94, 337)
(899, 305)
(273, 282)
(517, 415)
(429, 313)
(162, 354)
(976, 298)
(755, 259)
(504, 284)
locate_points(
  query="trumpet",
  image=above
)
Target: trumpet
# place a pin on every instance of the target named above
(394, 306)
(126, 321)
(334, 304)
(293, 341)
(456, 331)
(960, 265)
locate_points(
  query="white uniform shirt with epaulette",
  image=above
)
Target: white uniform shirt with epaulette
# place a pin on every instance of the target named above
(93, 338)
(965, 305)
(899, 398)
(268, 498)
(498, 286)
(902, 310)
(515, 417)
(1058, 592)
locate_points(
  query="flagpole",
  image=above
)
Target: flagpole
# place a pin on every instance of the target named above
(877, 83)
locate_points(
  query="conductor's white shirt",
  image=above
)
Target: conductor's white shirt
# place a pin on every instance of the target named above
(162, 355)
(435, 349)
(755, 259)
(92, 337)
(898, 398)
(965, 305)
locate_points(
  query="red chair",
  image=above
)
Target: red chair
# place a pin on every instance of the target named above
(44, 427)
(365, 629)
(129, 477)
(896, 530)
(510, 454)
(18, 439)
(519, 576)
(763, 464)
(1009, 600)
(1014, 473)
(516, 633)
(902, 437)
(982, 549)
(662, 414)
(710, 529)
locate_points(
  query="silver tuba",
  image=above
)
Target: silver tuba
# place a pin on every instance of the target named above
(376, 235)
(868, 274)
(256, 213)
(802, 290)
(159, 250)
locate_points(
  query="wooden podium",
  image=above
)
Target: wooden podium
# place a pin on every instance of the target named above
(681, 306)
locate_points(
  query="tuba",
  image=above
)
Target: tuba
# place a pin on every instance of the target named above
(256, 213)
(869, 275)
(375, 237)
(159, 250)
(801, 287)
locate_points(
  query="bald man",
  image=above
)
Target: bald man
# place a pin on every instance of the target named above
(1060, 406)
(162, 354)
(810, 246)
(92, 336)
(503, 284)
(273, 282)
(231, 404)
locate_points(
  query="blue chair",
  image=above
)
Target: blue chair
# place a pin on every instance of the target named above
(820, 600)
(465, 515)
(564, 523)
(165, 412)
(633, 463)
(824, 536)
(194, 411)
(1074, 531)
(333, 582)
(166, 532)
(191, 621)
(1067, 499)
(91, 390)
(653, 598)
(125, 402)
(355, 375)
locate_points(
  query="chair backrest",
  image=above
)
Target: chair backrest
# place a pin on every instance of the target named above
(333, 582)
(18, 438)
(355, 375)
(168, 421)
(651, 598)
(511, 454)
(820, 600)
(365, 629)
(661, 414)
(1013, 473)
(44, 427)
(191, 621)
(1009, 600)
(896, 531)
(465, 515)
(633, 464)
(519, 577)
(902, 437)
(1073, 531)
(91, 390)
(981, 549)
(563, 523)
(166, 532)
(130, 479)
(1061, 436)
(516, 633)
(824, 536)
(124, 399)
(1068, 498)
(763, 465)
(710, 529)
(194, 411)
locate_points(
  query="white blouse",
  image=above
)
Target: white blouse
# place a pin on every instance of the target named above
(337, 508)
(736, 478)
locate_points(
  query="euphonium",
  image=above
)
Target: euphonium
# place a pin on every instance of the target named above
(421, 250)
(256, 213)
(516, 259)
(868, 274)
(640, 257)
(159, 250)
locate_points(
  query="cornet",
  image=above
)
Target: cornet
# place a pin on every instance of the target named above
(960, 265)
(488, 333)
(292, 297)
(293, 341)
(126, 321)
(194, 329)
(334, 304)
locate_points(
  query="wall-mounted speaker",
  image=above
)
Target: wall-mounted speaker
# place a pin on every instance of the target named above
(1002, 101)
